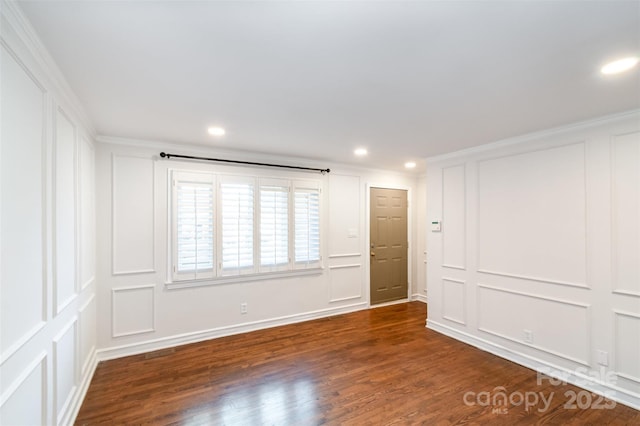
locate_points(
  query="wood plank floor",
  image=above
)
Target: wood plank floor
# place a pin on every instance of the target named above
(374, 367)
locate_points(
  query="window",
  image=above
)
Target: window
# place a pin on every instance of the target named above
(307, 227)
(235, 225)
(274, 225)
(193, 226)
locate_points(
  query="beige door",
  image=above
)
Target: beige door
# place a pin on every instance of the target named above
(389, 245)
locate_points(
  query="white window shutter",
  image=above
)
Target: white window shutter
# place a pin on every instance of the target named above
(237, 226)
(274, 225)
(193, 226)
(307, 226)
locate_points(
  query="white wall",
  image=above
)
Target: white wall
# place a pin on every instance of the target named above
(47, 285)
(542, 234)
(138, 312)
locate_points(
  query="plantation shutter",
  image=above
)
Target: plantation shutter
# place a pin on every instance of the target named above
(237, 203)
(274, 225)
(307, 226)
(193, 234)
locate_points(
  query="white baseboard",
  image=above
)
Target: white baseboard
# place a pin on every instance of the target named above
(81, 390)
(589, 383)
(199, 336)
(419, 297)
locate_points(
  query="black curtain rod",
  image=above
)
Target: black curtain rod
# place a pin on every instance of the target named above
(251, 163)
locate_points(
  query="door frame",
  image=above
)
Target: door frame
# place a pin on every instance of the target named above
(367, 266)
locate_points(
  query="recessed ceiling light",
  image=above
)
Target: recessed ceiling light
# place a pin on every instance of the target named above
(216, 131)
(620, 65)
(410, 164)
(360, 152)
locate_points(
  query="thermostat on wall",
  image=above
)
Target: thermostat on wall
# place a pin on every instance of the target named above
(436, 226)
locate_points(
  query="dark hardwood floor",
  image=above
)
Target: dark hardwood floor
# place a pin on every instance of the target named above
(374, 367)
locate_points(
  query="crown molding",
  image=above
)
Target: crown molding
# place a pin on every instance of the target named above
(13, 16)
(554, 131)
(201, 150)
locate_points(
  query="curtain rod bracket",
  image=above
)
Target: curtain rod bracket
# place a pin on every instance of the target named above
(250, 163)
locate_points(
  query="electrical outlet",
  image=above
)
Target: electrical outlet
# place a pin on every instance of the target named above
(603, 358)
(528, 336)
(243, 308)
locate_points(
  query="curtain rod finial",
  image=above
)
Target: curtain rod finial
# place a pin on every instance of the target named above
(163, 154)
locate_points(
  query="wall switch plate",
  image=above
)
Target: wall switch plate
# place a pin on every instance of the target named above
(243, 308)
(528, 336)
(603, 358)
(436, 226)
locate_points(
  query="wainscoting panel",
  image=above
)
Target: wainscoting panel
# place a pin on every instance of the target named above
(65, 210)
(511, 315)
(87, 332)
(23, 153)
(454, 217)
(345, 281)
(626, 213)
(65, 369)
(87, 212)
(344, 214)
(454, 304)
(25, 402)
(132, 215)
(627, 346)
(133, 310)
(532, 215)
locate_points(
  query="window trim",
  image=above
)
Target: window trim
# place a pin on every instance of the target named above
(256, 272)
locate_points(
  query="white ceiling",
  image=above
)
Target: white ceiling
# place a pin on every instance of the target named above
(407, 80)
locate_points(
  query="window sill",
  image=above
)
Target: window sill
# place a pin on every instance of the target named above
(263, 276)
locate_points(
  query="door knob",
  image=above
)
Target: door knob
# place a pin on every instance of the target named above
(373, 253)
